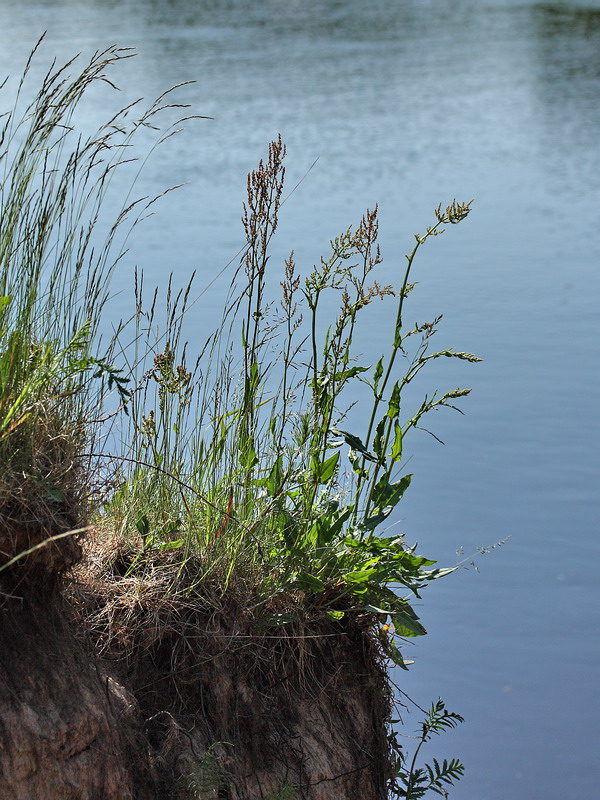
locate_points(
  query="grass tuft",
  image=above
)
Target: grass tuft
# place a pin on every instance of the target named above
(57, 254)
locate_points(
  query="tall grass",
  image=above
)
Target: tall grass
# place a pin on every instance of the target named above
(58, 250)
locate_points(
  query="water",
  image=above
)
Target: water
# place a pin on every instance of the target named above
(409, 104)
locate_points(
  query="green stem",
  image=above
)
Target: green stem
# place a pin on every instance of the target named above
(396, 346)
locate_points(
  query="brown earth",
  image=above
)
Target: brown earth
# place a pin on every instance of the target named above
(110, 692)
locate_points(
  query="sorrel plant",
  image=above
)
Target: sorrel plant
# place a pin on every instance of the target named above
(244, 460)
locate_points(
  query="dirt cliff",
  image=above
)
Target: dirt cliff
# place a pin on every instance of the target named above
(111, 691)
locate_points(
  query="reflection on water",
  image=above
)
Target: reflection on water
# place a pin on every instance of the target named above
(567, 44)
(560, 19)
(410, 104)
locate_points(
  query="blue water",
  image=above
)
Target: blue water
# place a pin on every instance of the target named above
(409, 104)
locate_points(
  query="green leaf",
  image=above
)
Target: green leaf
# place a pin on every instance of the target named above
(355, 443)
(323, 471)
(349, 373)
(289, 534)
(171, 545)
(254, 375)
(173, 527)
(307, 540)
(396, 655)
(398, 335)
(325, 528)
(359, 576)
(309, 583)
(143, 525)
(273, 480)
(335, 615)
(55, 493)
(411, 561)
(378, 438)
(248, 458)
(355, 462)
(389, 494)
(432, 574)
(394, 404)
(407, 623)
(377, 373)
(370, 523)
(396, 453)
(376, 610)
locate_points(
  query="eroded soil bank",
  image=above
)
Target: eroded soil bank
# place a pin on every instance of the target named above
(109, 691)
(67, 730)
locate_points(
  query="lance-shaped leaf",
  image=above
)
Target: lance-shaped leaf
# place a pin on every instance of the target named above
(389, 494)
(349, 373)
(355, 443)
(394, 404)
(359, 575)
(309, 583)
(396, 452)
(323, 471)
(326, 527)
(373, 521)
(273, 480)
(378, 439)
(396, 655)
(377, 374)
(247, 457)
(407, 623)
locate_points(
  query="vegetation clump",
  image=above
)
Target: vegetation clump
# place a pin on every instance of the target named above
(239, 577)
(54, 283)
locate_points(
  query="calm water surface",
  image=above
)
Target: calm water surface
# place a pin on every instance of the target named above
(409, 104)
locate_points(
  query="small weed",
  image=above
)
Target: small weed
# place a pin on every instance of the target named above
(285, 792)
(206, 780)
(413, 782)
